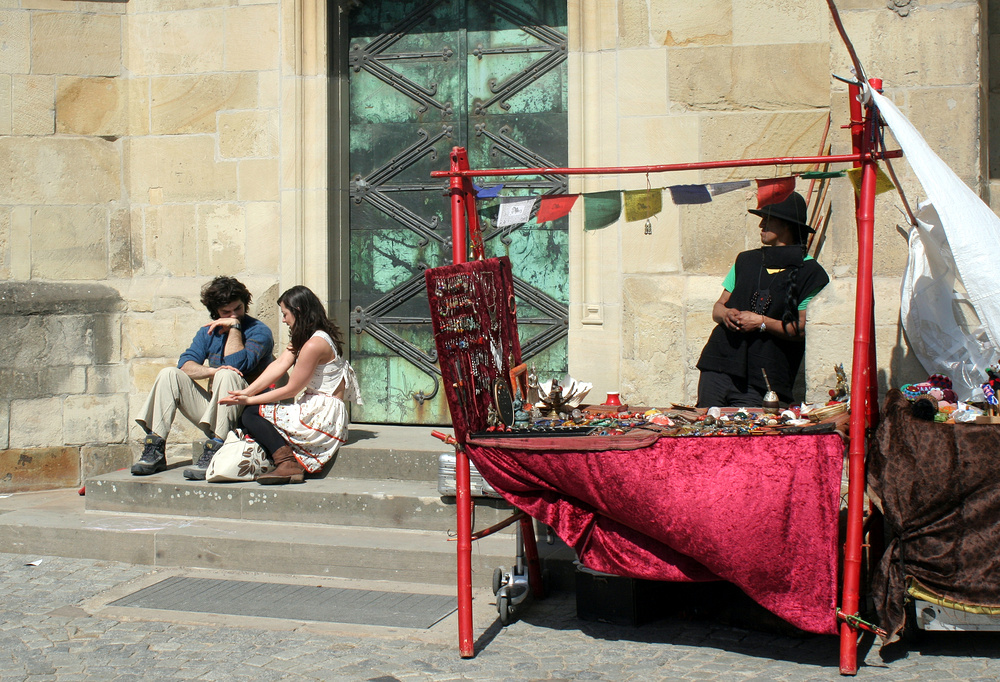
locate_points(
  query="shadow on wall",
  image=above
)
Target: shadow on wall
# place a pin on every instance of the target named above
(63, 385)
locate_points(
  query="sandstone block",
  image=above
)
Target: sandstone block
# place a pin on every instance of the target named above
(39, 469)
(248, 134)
(33, 110)
(69, 242)
(261, 53)
(120, 259)
(651, 139)
(258, 180)
(633, 24)
(676, 23)
(42, 382)
(713, 234)
(20, 239)
(59, 170)
(108, 379)
(748, 135)
(189, 104)
(268, 89)
(47, 341)
(652, 338)
(4, 424)
(221, 239)
(103, 459)
(642, 82)
(947, 119)
(162, 335)
(935, 45)
(76, 44)
(5, 104)
(759, 77)
(92, 106)
(15, 41)
(138, 106)
(781, 21)
(171, 246)
(262, 221)
(176, 42)
(95, 418)
(5, 255)
(36, 423)
(183, 166)
(148, 6)
(655, 252)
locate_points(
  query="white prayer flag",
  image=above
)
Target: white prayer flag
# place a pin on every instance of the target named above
(515, 210)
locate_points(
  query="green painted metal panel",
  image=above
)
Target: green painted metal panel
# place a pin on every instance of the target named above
(427, 76)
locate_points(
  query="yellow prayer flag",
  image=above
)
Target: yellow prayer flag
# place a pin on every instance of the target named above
(882, 181)
(642, 203)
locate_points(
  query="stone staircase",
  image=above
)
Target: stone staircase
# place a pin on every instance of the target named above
(376, 515)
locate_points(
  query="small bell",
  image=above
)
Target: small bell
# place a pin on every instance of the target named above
(649, 227)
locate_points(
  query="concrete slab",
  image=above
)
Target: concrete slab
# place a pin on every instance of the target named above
(57, 523)
(385, 503)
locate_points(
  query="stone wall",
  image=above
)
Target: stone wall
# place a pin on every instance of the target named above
(63, 385)
(141, 152)
(146, 146)
(674, 82)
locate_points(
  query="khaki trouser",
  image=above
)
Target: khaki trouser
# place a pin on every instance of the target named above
(174, 390)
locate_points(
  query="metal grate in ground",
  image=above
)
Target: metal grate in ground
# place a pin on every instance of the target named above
(294, 602)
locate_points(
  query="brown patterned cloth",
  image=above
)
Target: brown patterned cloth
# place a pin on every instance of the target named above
(939, 485)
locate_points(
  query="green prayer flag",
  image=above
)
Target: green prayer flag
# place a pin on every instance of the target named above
(818, 175)
(601, 209)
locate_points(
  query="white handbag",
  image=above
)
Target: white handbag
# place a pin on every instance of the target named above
(240, 458)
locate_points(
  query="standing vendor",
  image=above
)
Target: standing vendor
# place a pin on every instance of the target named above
(761, 314)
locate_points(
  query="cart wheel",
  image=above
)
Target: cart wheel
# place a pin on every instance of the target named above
(503, 607)
(497, 579)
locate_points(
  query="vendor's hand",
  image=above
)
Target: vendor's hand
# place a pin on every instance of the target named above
(748, 321)
(731, 319)
(221, 325)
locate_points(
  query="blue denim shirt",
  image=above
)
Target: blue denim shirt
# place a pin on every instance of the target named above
(251, 361)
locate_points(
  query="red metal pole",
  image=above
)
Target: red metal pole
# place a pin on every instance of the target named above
(666, 168)
(459, 162)
(860, 379)
(463, 492)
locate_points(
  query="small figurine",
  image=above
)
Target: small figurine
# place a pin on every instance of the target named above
(522, 419)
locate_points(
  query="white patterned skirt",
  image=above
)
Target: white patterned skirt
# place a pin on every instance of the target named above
(315, 425)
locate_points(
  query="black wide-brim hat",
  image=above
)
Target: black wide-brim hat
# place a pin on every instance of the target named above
(792, 210)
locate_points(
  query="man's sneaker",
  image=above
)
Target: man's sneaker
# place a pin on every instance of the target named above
(154, 456)
(197, 472)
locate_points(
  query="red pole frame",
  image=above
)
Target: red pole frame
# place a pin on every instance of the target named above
(863, 403)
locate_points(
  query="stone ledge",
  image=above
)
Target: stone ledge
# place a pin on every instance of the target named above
(46, 298)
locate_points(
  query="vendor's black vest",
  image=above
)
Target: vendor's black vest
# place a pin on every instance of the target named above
(743, 355)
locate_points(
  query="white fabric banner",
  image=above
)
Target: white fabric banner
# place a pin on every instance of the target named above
(515, 210)
(971, 233)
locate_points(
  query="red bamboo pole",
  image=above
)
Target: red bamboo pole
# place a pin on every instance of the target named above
(459, 163)
(669, 167)
(860, 378)
(463, 492)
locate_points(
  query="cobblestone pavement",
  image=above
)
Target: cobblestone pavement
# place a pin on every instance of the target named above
(55, 626)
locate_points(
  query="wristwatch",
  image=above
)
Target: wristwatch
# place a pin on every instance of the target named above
(237, 326)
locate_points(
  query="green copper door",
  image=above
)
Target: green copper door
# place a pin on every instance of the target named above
(427, 76)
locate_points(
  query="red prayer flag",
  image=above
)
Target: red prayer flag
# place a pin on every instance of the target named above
(554, 207)
(774, 190)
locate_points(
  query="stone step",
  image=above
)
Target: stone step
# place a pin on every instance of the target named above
(414, 505)
(57, 523)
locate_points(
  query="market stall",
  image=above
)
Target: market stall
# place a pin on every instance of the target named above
(474, 314)
(658, 535)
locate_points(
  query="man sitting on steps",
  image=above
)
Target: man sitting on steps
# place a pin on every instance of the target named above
(237, 348)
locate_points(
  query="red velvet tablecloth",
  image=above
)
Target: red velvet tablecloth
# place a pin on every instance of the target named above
(758, 511)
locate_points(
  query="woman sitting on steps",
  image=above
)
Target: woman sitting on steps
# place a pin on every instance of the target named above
(303, 435)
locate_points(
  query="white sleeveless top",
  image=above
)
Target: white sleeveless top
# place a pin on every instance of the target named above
(326, 378)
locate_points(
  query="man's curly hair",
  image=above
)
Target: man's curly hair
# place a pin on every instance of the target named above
(222, 291)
